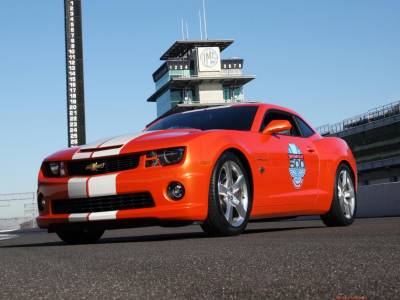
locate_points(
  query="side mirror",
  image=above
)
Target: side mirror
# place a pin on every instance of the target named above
(276, 126)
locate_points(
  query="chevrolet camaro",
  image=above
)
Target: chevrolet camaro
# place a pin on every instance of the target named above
(218, 167)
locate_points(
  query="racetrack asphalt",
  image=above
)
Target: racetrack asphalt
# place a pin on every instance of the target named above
(279, 260)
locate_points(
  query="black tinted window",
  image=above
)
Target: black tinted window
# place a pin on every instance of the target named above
(306, 130)
(278, 115)
(231, 118)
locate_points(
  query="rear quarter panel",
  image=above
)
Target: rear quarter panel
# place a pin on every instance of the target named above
(332, 152)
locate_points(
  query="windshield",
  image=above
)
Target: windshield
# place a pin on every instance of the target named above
(230, 118)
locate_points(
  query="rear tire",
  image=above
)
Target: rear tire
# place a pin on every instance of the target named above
(344, 203)
(80, 236)
(230, 197)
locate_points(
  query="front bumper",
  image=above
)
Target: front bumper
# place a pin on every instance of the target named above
(192, 207)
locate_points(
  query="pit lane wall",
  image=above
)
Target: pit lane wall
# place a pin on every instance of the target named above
(379, 200)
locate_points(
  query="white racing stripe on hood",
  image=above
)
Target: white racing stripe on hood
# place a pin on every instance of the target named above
(81, 155)
(119, 140)
(108, 152)
(122, 140)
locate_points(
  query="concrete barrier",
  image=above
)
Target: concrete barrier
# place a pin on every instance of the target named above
(379, 200)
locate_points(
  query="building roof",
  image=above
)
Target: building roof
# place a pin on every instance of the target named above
(180, 48)
(182, 82)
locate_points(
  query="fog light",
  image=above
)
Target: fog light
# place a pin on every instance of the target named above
(41, 202)
(176, 191)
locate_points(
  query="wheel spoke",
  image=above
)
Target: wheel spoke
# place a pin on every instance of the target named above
(351, 190)
(233, 193)
(351, 205)
(342, 204)
(222, 189)
(340, 191)
(240, 209)
(347, 209)
(346, 193)
(238, 183)
(344, 179)
(223, 200)
(228, 171)
(229, 212)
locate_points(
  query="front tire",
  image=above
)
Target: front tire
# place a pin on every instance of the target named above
(80, 236)
(230, 197)
(344, 204)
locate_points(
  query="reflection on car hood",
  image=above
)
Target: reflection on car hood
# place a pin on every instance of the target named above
(137, 142)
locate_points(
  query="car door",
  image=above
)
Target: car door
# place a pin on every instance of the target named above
(311, 159)
(291, 176)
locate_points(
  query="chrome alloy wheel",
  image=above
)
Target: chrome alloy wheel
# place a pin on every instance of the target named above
(233, 193)
(346, 194)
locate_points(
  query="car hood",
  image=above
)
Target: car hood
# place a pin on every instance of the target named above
(123, 144)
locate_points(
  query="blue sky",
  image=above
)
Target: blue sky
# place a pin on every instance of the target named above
(326, 59)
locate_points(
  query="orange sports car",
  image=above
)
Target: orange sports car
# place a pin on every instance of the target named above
(219, 167)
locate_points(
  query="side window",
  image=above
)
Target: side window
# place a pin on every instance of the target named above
(277, 115)
(306, 130)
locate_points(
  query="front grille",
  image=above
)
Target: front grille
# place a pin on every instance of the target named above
(104, 165)
(105, 203)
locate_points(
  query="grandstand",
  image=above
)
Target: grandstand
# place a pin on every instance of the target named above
(374, 138)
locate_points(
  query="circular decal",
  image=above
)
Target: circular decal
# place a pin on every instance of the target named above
(209, 58)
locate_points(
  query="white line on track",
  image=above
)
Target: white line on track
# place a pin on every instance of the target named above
(7, 236)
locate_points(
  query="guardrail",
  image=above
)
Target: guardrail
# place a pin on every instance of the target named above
(372, 115)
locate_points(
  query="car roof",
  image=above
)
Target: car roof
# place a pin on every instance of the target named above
(264, 106)
(267, 106)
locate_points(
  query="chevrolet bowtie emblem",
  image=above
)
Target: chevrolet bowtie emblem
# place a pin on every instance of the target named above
(93, 167)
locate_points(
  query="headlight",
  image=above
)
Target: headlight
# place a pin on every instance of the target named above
(164, 157)
(55, 169)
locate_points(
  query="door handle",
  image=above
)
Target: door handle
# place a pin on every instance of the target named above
(310, 149)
